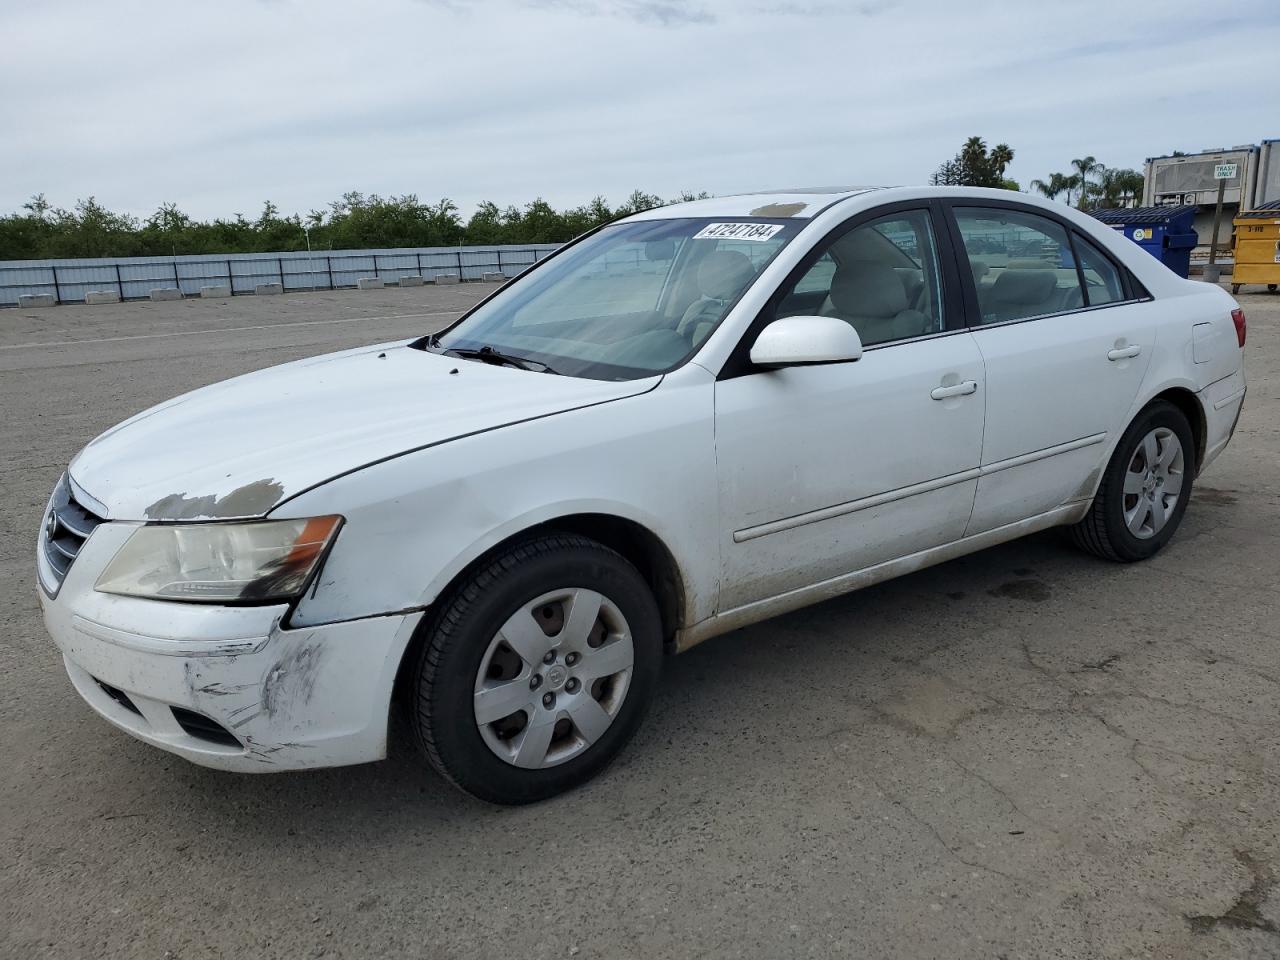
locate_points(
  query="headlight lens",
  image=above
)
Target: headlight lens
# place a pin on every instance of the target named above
(265, 560)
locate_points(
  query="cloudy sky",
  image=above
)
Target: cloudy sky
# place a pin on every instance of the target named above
(220, 106)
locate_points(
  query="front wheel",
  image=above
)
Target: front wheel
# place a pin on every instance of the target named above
(537, 669)
(1145, 489)
(1235, 288)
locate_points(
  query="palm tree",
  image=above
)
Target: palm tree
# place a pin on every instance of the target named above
(1000, 158)
(1129, 186)
(1070, 184)
(1085, 168)
(1053, 189)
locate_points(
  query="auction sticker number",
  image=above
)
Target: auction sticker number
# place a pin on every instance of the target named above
(738, 231)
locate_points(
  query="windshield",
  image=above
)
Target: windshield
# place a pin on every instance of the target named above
(629, 301)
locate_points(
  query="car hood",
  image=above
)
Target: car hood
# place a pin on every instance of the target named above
(238, 448)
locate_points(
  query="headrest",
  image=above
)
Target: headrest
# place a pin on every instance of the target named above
(1024, 286)
(980, 268)
(723, 274)
(1027, 263)
(864, 288)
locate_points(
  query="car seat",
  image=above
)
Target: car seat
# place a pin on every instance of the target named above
(722, 275)
(871, 297)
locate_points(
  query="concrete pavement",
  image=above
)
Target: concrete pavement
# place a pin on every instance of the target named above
(1024, 753)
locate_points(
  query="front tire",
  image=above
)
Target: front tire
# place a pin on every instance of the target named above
(1145, 489)
(537, 669)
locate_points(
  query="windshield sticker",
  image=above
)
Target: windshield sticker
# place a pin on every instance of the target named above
(738, 231)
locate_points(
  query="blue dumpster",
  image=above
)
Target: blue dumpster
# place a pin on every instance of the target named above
(1164, 232)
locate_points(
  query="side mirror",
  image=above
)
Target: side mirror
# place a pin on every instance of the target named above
(804, 340)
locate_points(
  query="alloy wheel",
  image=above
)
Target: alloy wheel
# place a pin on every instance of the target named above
(1153, 483)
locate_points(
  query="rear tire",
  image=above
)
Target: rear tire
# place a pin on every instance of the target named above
(1145, 489)
(537, 669)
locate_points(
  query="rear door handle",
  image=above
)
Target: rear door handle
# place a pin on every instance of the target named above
(1124, 353)
(961, 389)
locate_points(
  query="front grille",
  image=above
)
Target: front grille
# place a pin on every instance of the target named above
(202, 728)
(66, 527)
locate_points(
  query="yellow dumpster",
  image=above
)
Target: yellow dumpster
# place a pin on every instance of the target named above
(1257, 247)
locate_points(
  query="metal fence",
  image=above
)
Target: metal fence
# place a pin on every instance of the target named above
(133, 278)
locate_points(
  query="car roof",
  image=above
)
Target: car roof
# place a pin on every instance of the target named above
(801, 203)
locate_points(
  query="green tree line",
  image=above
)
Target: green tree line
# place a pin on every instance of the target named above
(1088, 184)
(1091, 185)
(356, 221)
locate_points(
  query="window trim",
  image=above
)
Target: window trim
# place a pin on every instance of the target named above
(954, 316)
(1134, 291)
(1122, 273)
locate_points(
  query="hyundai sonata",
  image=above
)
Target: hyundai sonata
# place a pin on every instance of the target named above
(681, 423)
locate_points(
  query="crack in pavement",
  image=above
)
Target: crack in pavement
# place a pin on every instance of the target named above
(1243, 914)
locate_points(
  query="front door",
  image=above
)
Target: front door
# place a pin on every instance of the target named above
(824, 470)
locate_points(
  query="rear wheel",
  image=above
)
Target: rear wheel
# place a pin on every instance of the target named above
(537, 669)
(1145, 489)
(1235, 288)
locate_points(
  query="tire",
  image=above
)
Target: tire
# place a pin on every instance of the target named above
(1235, 288)
(561, 595)
(1108, 530)
(1271, 287)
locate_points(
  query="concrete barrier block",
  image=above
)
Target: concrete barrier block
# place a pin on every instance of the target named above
(369, 283)
(495, 277)
(447, 278)
(37, 300)
(413, 280)
(268, 289)
(166, 293)
(215, 290)
(101, 296)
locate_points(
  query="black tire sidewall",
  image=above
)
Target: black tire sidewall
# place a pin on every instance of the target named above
(1160, 414)
(460, 749)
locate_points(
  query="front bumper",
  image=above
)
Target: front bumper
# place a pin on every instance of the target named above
(250, 695)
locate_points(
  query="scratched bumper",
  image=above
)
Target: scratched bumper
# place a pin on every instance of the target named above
(292, 699)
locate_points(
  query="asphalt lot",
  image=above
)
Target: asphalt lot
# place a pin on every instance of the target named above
(1023, 753)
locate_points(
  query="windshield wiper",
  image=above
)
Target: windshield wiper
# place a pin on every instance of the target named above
(488, 354)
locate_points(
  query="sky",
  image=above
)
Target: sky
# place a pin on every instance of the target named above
(218, 107)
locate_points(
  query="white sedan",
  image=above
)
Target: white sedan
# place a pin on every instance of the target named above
(680, 424)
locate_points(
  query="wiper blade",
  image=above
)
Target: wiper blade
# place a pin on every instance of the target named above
(488, 354)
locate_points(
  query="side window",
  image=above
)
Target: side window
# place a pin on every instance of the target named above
(881, 278)
(1102, 283)
(818, 279)
(1022, 264)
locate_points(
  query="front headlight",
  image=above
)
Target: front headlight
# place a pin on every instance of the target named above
(219, 562)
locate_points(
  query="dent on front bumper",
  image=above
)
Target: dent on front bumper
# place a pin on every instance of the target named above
(284, 699)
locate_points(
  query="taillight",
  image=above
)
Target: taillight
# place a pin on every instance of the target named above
(1237, 317)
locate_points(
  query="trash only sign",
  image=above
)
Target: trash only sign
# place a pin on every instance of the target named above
(1225, 171)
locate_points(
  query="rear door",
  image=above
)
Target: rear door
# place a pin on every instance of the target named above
(1066, 344)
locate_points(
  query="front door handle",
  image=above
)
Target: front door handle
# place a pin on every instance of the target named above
(961, 389)
(1124, 353)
